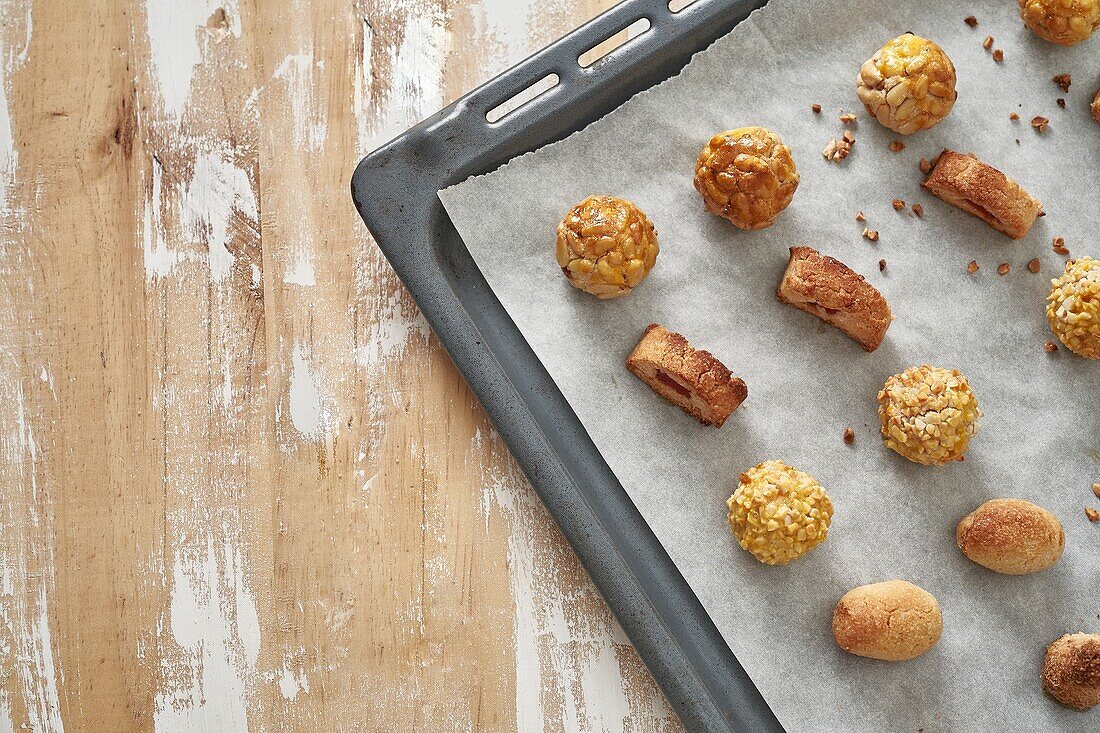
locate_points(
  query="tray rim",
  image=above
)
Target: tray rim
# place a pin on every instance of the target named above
(395, 191)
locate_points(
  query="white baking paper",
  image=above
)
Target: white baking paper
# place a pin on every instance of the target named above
(1040, 436)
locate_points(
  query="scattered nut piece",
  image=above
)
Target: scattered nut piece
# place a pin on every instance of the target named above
(1062, 80)
(837, 150)
(1049, 347)
(1060, 246)
(897, 146)
(1096, 106)
(1004, 268)
(918, 210)
(860, 216)
(972, 267)
(816, 108)
(998, 55)
(849, 436)
(1096, 490)
(870, 234)
(987, 43)
(848, 137)
(925, 166)
(1061, 102)
(847, 118)
(1014, 116)
(1040, 123)
(1033, 265)
(898, 204)
(971, 21)
(882, 265)
(1092, 514)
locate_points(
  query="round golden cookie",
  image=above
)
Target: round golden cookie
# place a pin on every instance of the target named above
(779, 513)
(928, 414)
(908, 85)
(1011, 536)
(1071, 670)
(606, 246)
(1073, 307)
(1065, 22)
(746, 175)
(894, 621)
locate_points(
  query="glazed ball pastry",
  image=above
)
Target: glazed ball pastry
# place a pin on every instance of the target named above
(893, 621)
(779, 513)
(606, 246)
(1011, 536)
(1065, 22)
(691, 379)
(983, 191)
(928, 414)
(828, 289)
(1073, 307)
(1071, 670)
(908, 85)
(746, 175)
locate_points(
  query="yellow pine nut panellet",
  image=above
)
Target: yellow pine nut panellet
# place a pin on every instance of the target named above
(1073, 307)
(606, 246)
(908, 85)
(928, 414)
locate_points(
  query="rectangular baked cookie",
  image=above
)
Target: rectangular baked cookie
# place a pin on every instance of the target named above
(691, 379)
(983, 191)
(828, 289)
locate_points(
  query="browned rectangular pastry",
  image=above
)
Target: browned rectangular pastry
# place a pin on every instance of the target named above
(692, 380)
(837, 295)
(983, 191)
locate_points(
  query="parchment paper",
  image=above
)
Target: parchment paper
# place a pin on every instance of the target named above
(807, 381)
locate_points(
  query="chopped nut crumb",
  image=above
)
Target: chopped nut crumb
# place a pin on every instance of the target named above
(1004, 268)
(816, 108)
(1040, 123)
(849, 436)
(1060, 246)
(1061, 102)
(860, 216)
(1096, 490)
(925, 166)
(987, 43)
(848, 137)
(1092, 514)
(1018, 142)
(972, 267)
(837, 150)
(998, 55)
(847, 118)
(870, 234)
(1062, 80)
(1033, 265)
(882, 265)
(1014, 116)
(1095, 106)
(971, 21)
(1049, 347)
(898, 204)
(897, 146)
(918, 210)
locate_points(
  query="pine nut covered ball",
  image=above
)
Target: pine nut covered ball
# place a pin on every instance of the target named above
(746, 175)
(908, 85)
(606, 246)
(1071, 670)
(1065, 22)
(1073, 307)
(779, 513)
(928, 414)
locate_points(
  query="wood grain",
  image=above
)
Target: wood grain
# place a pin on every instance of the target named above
(243, 486)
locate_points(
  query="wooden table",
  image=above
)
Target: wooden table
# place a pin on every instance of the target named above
(243, 487)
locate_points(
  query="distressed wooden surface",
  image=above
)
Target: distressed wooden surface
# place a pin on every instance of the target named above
(243, 488)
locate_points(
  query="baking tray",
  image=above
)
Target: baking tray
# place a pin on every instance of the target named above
(395, 191)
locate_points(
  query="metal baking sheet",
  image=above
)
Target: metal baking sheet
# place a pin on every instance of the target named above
(394, 189)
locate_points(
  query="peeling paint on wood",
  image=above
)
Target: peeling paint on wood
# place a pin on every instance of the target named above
(243, 487)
